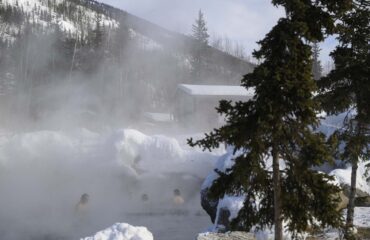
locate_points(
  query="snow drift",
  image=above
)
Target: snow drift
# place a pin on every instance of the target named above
(122, 231)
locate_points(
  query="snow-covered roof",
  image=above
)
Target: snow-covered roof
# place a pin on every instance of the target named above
(158, 117)
(215, 90)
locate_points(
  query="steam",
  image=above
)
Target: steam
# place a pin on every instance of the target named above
(57, 139)
(42, 181)
(44, 173)
(119, 84)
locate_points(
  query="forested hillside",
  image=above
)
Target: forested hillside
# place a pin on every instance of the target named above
(54, 51)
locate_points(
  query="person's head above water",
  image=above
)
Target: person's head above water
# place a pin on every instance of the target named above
(177, 198)
(177, 192)
(84, 198)
(145, 197)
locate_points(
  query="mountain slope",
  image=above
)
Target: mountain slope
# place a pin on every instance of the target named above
(75, 17)
(124, 65)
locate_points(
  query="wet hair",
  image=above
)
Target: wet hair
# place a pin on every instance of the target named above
(177, 192)
(84, 198)
(144, 197)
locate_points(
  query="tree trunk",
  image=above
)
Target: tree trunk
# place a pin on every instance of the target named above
(351, 204)
(277, 195)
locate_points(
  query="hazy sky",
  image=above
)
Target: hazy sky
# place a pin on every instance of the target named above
(245, 21)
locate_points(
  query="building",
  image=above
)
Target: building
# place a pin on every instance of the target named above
(195, 104)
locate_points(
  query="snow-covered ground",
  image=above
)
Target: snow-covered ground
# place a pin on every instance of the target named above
(122, 231)
(44, 173)
(36, 8)
(342, 176)
(144, 42)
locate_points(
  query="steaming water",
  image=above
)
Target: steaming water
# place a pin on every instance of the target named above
(44, 173)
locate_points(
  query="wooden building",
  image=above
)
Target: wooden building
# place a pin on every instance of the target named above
(195, 104)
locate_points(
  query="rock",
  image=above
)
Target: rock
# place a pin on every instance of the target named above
(362, 198)
(226, 236)
(223, 223)
(362, 201)
(359, 193)
(210, 206)
(344, 201)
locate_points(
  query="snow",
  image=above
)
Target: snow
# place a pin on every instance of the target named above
(328, 125)
(158, 117)
(362, 217)
(158, 154)
(114, 167)
(124, 148)
(122, 231)
(331, 123)
(144, 42)
(37, 6)
(232, 203)
(343, 176)
(223, 163)
(361, 220)
(87, 18)
(216, 90)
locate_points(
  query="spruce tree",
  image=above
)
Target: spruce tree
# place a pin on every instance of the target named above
(347, 87)
(199, 28)
(316, 64)
(199, 48)
(279, 123)
(98, 33)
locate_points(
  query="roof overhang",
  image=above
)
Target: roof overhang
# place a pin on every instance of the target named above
(216, 90)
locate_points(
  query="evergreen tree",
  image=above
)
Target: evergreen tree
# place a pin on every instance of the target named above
(199, 48)
(200, 31)
(316, 64)
(279, 122)
(120, 50)
(93, 56)
(347, 87)
(120, 40)
(98, 32)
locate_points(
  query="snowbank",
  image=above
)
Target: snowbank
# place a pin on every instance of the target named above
(122, 231)
(343, 177)
(329, 124)
(159, 154)
(232, 204)
(125, 148)
(226, 161)
(343, 174)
